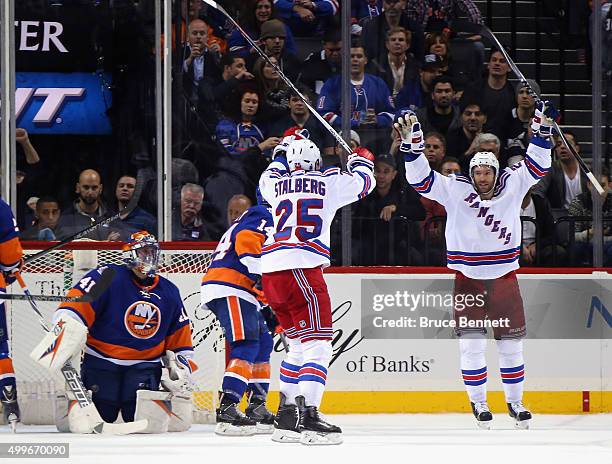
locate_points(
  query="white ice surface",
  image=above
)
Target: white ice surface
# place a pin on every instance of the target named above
(372, 439)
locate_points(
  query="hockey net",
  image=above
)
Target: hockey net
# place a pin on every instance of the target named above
(56, 272)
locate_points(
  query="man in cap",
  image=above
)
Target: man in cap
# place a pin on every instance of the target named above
(273, 35)
(416, 93)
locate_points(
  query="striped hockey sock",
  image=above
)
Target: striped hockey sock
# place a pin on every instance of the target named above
(312, 379)
(236, 378)
(512, 368)
(260, 379)
(289, 387)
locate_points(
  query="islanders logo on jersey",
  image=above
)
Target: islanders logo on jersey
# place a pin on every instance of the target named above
(142, 319)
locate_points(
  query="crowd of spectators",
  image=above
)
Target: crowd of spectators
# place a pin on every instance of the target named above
(402, 56)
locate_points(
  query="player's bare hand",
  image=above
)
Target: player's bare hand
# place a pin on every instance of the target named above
(387, 212)
(269, 143)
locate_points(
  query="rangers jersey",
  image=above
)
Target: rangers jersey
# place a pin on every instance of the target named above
(10, 247)
(483, 237)
(235, 264)
(129, 323)
(303, 207)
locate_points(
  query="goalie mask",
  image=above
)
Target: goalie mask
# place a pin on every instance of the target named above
(484, 158)
(303, 154)
(142, 253)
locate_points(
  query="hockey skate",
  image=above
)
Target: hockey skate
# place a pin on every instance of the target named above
(315, 430)
(520, 414)
(286, 423)
(10, 407)
(257, 411)
(232, 421)
(482, 414)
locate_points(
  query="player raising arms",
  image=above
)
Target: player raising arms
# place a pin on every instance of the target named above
(304, 202)
(483, 237)
(138, 322)
(228, 290)
(10, 261)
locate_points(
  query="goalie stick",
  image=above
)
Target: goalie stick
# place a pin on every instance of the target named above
(103, 283)
(261, 53)
(96, 224)
(73, 379)
(485, 31)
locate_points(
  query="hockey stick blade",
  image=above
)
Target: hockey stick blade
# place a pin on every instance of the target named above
(96, 224)
(284, 78)
(96, 291)
(486, 32)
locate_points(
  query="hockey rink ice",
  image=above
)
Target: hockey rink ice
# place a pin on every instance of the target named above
(372, 438)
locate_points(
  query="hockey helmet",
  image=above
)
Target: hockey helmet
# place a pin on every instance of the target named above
(142, 253)
(484, 158)
(303, 154)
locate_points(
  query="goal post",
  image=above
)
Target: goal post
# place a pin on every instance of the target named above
(183, 263)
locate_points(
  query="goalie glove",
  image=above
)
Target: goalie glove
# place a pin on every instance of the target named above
(544, 119)
(270, 318)
(176, 375)
(409, 129)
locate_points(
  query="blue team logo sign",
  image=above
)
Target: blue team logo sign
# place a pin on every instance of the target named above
(63, 103)
(142, 319)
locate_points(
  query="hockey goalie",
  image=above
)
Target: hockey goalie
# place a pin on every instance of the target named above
(138, 347)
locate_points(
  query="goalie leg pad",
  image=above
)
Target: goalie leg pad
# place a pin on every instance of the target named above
(156, 407)
(182, 417)
(66, 338)
(139, 377)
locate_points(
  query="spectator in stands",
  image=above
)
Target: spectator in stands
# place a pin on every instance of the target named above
(435, 149)
(373, 216)
(187, 225)
(461, 71)
(485, 141)
(437, 15)
(307, 18)
(517, 134)
(364, 10)
(416, 93)
(46, 218)
(397, 67)
(201, 72)
(138, 219)
(335, 159)
(239, 134)
(237, 205)
(300, 116)
(374, 31)
(565, 181)
(273, 88)
(582, 205)
(87, 208)
(255, 13)
(234, 72)
(371, 103)
(440, 114)
(30, 172)
(542, 231)
(496, 93)
(459, 141)
(273, 37)
(320, 66)
(450, 165)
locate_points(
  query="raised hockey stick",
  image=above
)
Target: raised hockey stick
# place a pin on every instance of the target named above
(93, 294)
(77, 388)
(261, 53)
(97, 224)
(488, 33)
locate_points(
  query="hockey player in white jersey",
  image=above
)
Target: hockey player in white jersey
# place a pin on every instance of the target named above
(483, 238)
(304, 202)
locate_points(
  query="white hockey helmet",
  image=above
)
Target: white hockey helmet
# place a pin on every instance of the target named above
(303, 154)
(484, 158)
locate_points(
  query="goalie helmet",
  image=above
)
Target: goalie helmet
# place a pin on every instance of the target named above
(142, 253)
(303, 154)
(484, 158)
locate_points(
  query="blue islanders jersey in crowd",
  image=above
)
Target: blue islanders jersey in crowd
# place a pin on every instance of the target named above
(10, 247)
(236, 263)
(130, 324)
(238, 137)
(372, 93)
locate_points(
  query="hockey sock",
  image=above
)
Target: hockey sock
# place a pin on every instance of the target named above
(512, 368)
(474, 367)
(7, 374)
(290, 371)
(236, 378)
(313, 374)
(260, 379)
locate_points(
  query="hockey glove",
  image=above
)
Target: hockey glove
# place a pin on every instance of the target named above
(360, 157)
(411, 134)
(10, 274)
(270, 318)
(543, 120)
(176, 375)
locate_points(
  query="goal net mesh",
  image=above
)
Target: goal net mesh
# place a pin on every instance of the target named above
(57, 271)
